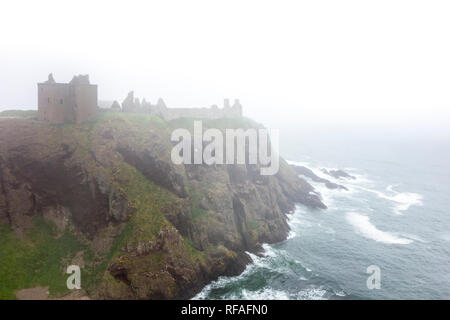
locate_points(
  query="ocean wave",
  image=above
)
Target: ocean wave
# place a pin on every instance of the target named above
(404, 200)
(292, 234)
(274, 294)
(363, 226)
(272, 260)
(265, 294)
(312, 294)
(295, 219)
(223, 281)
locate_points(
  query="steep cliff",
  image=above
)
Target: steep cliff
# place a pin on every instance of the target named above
(106, 196)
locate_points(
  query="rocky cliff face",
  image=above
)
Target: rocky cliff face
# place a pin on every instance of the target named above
(149, 228)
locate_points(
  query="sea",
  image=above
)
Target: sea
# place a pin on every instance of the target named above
(386, 237)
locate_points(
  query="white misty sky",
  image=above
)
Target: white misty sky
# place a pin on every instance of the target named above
(294, 62)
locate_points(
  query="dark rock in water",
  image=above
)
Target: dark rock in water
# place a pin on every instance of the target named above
(310, 174)
(332, 185)
(338, 174)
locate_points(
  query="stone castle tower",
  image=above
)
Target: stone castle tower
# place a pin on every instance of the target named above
(75, 101)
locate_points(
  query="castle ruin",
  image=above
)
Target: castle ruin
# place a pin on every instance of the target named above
(134, 105)
(75, 101)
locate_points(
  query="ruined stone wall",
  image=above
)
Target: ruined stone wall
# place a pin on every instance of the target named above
(133, 105)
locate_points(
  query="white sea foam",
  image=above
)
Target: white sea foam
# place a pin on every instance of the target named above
(269, 251)
(403, 200)
(224, 280)
(363, 226)
(340, 293)
(265, 294)
(292, 234)
(257, 262)
(315, 169)
(295, 219)
(311, 294)
(273, 294)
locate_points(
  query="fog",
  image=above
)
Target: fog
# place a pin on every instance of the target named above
(298, 63)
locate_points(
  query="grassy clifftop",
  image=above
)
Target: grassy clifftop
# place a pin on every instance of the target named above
(19, 113)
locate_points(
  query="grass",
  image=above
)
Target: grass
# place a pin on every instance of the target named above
(19, 113)
(39, 259)
(148, 200)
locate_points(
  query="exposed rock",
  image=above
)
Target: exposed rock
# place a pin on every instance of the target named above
(57, 214)
(163, 173)
(37, 293)
(310, 174)
(332, 185)
(338, 174)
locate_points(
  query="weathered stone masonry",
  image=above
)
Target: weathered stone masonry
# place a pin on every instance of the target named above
(134, 105)
(75, 101)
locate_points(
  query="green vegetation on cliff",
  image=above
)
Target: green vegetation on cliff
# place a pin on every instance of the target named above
(39, 259)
